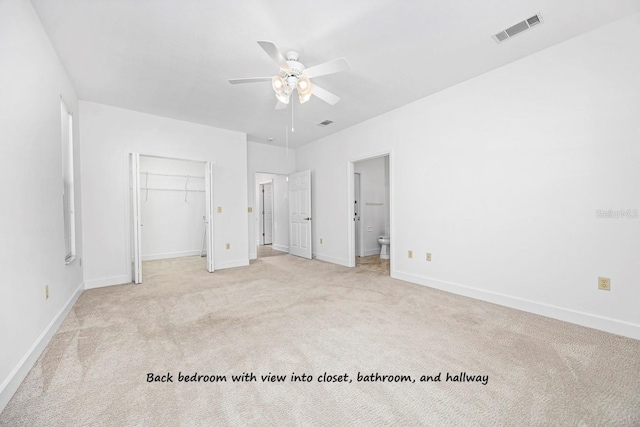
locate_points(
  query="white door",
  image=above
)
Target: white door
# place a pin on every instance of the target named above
(267, 214)
(208, 182)
(134, 161)
(300, 214)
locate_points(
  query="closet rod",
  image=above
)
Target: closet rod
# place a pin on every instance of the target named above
(171, 189)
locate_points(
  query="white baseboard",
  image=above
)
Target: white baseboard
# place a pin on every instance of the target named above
(331, 259)
(232, 264)
(602, 323)
(280, 248)
(19, 373)
(369, 252)
(168, 255)
(107, 281)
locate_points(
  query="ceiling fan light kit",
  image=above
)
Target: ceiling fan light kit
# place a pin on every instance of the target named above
(281, 89)
(305, 90)
(294, 76)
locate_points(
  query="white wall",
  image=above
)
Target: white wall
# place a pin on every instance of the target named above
(373, 202)
(500, 177)
(108, 135)
(31, 215)
(173, 224)
(266, 159)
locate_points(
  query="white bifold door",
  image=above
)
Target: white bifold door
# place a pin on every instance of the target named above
(300, 214)
(136, 217)
(208, 191)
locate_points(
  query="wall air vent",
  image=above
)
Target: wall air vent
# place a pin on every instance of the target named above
(518, 28)
(325, 123)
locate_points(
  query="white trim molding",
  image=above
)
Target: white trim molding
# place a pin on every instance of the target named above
(588, 320)
(19, 373)
(108, 281)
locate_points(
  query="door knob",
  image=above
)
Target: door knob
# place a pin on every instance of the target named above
(307, 218)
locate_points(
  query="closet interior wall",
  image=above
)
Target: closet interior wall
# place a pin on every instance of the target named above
(172, 204)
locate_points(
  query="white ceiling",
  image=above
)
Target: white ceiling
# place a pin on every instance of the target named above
(173, 58)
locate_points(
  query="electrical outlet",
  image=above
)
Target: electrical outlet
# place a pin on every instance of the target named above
(321, 240)
(219, 209)
(250, 209)
(428, 256)
(410, 254)
(604, 283)
(46, 292)
(228, 245)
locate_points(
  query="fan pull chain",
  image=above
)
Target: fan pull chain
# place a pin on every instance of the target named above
(292, 102)
(286, 138)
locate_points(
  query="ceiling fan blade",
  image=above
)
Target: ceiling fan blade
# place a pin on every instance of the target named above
(249, 80)
(274, 53)
(329, 67)
(326, 96)
(281, 106)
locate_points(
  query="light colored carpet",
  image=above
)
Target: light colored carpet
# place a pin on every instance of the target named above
(373, 264)
(267, 250)
(283, 315)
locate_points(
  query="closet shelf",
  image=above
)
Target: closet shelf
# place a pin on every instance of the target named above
(172, 175)
(186, 188)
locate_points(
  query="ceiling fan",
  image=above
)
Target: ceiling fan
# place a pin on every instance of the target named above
(294, 76)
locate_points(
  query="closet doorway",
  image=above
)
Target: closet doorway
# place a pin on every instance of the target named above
(171, 212)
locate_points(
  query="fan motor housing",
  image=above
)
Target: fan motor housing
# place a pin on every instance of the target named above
(294, 72)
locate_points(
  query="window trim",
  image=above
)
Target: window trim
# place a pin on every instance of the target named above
(68, 182)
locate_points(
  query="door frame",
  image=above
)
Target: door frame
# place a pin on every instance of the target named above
(261, 229)
(357, 228)
(351, 244)
(132, 196)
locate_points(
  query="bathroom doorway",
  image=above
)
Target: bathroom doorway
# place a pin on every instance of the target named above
(370, 214)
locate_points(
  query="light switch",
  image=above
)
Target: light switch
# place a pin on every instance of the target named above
(219, 209)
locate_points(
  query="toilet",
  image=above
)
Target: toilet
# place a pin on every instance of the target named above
(384, 246)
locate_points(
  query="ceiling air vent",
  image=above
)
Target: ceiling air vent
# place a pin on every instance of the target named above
(518, 28)
(325, 123)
